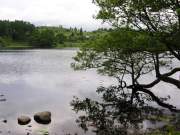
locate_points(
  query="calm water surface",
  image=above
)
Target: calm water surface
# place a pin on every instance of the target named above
(40, 80)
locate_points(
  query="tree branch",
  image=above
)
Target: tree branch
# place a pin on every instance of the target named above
(170, 80)
(157, 100)
(171, 72)
(150, 85)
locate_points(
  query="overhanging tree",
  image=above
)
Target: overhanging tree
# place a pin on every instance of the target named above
(159, 18)
(119, 54)
(146, 40)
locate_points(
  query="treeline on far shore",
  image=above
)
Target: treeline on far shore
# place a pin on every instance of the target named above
(21, 34)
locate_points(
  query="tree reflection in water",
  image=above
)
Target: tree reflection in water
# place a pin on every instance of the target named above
(115, 114)
(124, 106)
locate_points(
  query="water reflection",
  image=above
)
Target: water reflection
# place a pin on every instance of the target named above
(40, 80)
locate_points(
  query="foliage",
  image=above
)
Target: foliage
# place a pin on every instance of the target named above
(145, 40)
(159, 18)
(35, 36)
(43, 39)
(2, 42)
(119, 54)
(60, 38)
(17, 30)
(115, 114)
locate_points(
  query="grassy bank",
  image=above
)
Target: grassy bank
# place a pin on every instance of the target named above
(6, 43)
(17, 45)
(10, 44)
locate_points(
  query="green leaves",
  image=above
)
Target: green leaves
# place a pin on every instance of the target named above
(113, 53)
(151, 15)
(42, 39)
(17, 30)
(178, 11)
(128, 41)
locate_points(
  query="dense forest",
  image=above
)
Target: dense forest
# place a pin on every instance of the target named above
(23, 35)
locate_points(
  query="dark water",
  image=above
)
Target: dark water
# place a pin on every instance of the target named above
(39, 80)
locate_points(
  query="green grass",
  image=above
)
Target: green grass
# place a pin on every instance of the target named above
(10, 44)
(18, 45)
(24, 45)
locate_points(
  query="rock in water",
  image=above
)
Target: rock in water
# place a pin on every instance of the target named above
(2, 100)
(24, 120)
(43, 117)
(4, 121)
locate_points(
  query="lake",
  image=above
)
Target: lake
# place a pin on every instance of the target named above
(43, 80)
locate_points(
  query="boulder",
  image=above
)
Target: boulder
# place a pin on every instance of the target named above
(24, 120)
(43, 117)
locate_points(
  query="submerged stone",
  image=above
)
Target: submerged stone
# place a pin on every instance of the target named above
(24, 120)
(4, 121)
(2, 100)
(43, 117)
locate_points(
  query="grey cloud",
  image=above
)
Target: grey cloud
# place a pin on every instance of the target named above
(52, 12)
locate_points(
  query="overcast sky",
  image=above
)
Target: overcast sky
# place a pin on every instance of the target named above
(68, 13)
